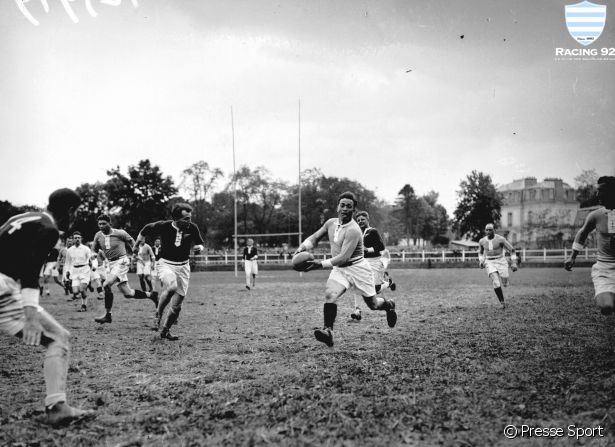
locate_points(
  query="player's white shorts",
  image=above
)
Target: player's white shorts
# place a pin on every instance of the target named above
(144, 268)
(80, 275)
(49, 269)
(169, 271)
(251, 267)
(119, 268)
(11, 307)
(359, 276)
(498, 265)
(377, 267)
(603, 276)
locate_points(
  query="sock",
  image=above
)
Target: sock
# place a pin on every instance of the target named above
(171, 319)
(330, 312)
(499, 293)
(108, 300)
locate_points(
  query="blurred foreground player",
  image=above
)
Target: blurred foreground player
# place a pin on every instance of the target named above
(491, 256)
(349, 267)
(603, 221)
(25, 241)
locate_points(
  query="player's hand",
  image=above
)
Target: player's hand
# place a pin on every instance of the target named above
(313, 265)
(514, 267)
(198, 249)
(32, 331)
(481, 265)
(568, 264)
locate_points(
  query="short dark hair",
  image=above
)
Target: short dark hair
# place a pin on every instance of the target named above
(176, 212)
(76, 233)
(62, 200)
(104, 217)
(362, 214)
(347, 195)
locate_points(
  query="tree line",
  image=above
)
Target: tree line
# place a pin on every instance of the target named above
(266, 205)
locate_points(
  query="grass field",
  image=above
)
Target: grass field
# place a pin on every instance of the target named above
(247, 371)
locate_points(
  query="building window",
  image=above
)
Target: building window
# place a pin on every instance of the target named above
(514, 238)
(509, 220)
(551, 194)
(529, 216)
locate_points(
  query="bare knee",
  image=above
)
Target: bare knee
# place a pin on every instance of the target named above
(606, 302)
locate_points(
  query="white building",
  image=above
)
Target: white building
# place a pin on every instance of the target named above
(538, 213)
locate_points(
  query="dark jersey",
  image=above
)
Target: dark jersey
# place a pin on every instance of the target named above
(157, 252)
(175, 244)
(25, 241)
(249, 253)
(371, 238)
(53, 254)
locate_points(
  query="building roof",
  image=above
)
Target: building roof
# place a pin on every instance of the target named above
(531, 183)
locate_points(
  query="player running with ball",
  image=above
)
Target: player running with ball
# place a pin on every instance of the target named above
(349, 267)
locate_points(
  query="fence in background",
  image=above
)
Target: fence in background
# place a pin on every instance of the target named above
(400, 257)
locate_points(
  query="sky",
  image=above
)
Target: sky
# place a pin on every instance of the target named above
(389, 92)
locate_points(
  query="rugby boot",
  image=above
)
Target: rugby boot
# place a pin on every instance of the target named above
(83, 308)
(356, 315)
(324, 335)
(166, 335)
(391, 314)
(106, 318)
(63, 414)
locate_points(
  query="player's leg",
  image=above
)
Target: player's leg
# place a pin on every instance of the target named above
(168, 279)
(129, 292)
(172, 316)
(336, 286)
(363, 279)
(75, 284)
(603, 277)
(182, 278)
(606, 302)
(497, 287)
(56, 339)
(111, 279)
(356, 313)
(85, 282)
(247, 266)
(254, 272)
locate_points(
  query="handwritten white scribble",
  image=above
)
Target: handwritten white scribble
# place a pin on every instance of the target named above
(21, 5)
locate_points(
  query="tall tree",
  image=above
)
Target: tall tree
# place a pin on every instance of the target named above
(94, 201)
(587, 189)
(479, 203)
(139, 198)
(406, 206)
(198, 179)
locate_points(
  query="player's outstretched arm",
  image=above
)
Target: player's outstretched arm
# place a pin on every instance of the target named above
(513, 256)
(579, 240)
(311, 241)
(481, 256)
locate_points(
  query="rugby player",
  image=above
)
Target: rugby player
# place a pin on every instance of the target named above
(78, 265)
(603, 221)
(349, 267)
(25, 241)
(491, 256)
(373, 247)
(177, 236)
(115, 244)
(144, 256)
(250, 263)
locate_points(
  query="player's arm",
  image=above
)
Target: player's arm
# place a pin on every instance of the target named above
(481, 254)
(311, 241)
(129, 243)
(40, 242)
(255, 257)
(374, 241)
(351, 239)
(198, 240)
(513, 256)
(580, 238)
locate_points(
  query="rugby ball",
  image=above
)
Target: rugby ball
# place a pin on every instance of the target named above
(301, 259)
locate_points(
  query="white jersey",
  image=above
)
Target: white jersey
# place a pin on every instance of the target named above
(78, 256)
